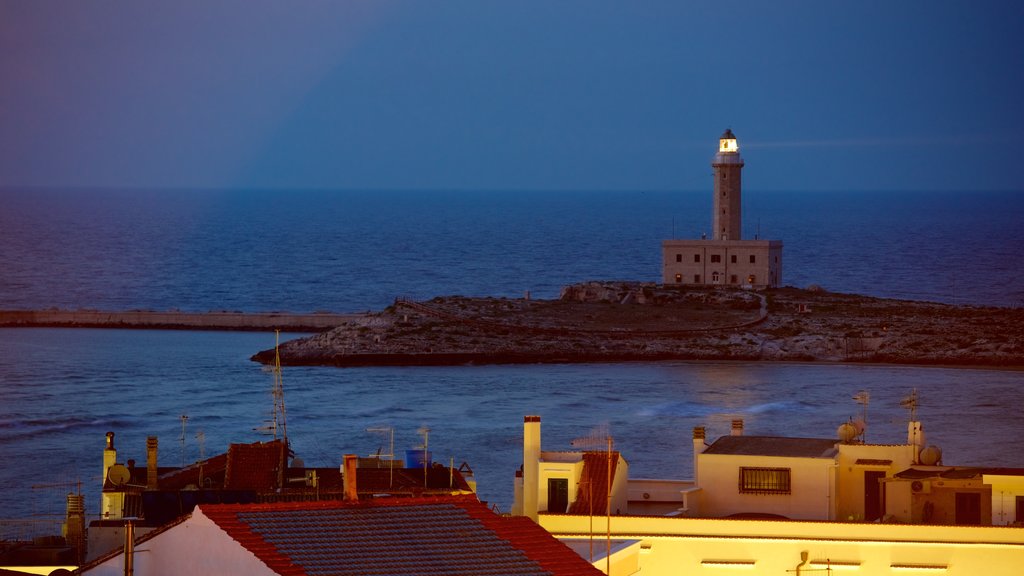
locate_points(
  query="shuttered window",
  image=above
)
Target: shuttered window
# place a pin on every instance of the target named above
(764, 481)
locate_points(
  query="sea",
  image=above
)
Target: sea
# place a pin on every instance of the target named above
(61, 390)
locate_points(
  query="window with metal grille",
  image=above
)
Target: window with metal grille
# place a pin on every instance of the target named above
(764, 481)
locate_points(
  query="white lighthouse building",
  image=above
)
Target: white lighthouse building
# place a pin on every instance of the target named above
(725, 259)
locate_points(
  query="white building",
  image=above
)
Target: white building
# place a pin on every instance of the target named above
(772, 504)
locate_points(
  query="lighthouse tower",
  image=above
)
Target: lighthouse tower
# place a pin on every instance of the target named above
(727, 165)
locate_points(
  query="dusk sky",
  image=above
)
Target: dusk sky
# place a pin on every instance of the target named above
(505, 95)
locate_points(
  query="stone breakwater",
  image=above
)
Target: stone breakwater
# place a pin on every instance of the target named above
(620, 321)
(148, 319)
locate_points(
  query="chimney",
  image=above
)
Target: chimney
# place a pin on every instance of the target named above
(737, 427)
(151, 468)
(348, 477)
(109, 456)
(531, 465)
(698, 447)
(74, 525)
(915, 437)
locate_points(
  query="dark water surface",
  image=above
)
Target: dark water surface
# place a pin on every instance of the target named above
(61, 390)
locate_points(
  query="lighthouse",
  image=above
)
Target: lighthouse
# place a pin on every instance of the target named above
(727, 165)
(724, 258)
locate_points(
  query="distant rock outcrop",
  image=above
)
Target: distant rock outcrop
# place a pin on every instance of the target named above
(626, 321)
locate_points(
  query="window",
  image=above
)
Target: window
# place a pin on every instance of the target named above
(679, 257)
(752, 279)
(715, 258)
(558, 495)
(715, 278)
(753, 259)
(733, 279)
(696, 257)
(696, 278)
(679, 278)
(733, 259)
(764, 481)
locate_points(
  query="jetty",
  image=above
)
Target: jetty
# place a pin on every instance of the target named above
(176, 320)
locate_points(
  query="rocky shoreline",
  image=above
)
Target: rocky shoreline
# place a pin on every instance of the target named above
(627, 321)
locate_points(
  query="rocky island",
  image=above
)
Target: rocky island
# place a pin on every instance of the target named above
(629, 321)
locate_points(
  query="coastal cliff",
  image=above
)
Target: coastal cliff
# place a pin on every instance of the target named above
(625, 321)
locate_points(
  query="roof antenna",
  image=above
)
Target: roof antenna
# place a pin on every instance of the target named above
(390, 431)
(184, 419)
(599, 438)
(911, 403)
(277, 418)
(863, 397)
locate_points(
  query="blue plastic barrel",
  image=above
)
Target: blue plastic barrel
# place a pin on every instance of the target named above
(417, 458)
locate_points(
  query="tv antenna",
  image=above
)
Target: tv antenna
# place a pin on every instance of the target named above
(911, 403)
(184, 419)
(863, 397)
(598, 438)
(201, 440)
(277, 418)
(390, 431)
(425, 432)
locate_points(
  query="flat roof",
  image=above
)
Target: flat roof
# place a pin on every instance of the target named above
(774, 446)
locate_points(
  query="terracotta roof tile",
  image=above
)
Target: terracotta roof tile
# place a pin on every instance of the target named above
(450, 535)
(594, 483)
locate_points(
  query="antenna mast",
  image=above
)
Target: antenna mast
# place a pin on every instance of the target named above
(184, 419)
(277, 418)
(911, 403)
(390, 430)
(863, 397)
(602, 438)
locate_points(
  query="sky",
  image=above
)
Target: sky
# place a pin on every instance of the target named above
(509, 95)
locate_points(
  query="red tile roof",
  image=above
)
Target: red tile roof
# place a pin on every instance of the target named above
(594, 483)
(451, 535)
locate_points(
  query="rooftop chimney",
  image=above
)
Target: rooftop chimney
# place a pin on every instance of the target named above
(152, 482)
(737, 427)
(109, 456)
(531, 465)
(348, 477)
(698, 447)
(915, 437)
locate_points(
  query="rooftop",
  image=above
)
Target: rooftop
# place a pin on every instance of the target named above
(774, 446)
(447, 535)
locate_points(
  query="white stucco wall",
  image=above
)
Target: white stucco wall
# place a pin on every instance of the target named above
(811, 480)
(196, 546)
(1005, 491)
(672, 546)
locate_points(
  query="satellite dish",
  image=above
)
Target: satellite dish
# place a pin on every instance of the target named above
(931, 456)
(847, 432)
(118, 475)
